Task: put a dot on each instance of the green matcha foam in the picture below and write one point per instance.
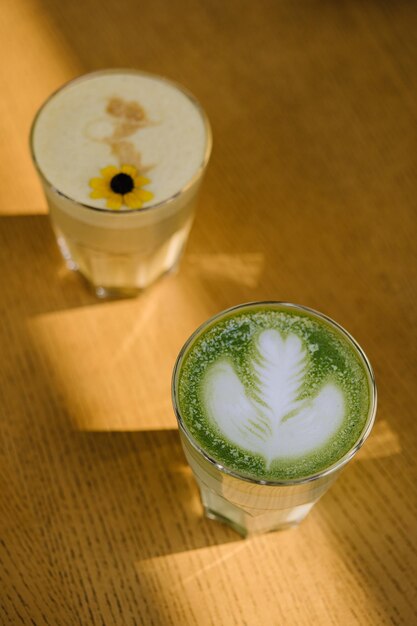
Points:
(273, 391)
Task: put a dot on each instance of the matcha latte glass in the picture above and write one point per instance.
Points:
(121, 155)
(272, 401)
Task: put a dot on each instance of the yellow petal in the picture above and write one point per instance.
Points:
(98, 183)
(100, 193)
(114, 201)
(144, 195)
(130, 170)
(141, 180)
(109, 171)
(132, 200)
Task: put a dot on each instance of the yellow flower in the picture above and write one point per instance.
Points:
(121, 185)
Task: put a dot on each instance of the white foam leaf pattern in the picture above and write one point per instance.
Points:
(273, 421)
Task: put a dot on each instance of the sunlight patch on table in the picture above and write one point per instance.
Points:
(244, 269)
(39, 62)
(111, 363)
(383, 442)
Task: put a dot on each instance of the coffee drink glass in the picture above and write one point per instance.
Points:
(272, 401)
(121, 155)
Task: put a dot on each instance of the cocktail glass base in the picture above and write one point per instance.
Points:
(110, 275)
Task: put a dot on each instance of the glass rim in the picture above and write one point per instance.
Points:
(337, 465)
(127, 211)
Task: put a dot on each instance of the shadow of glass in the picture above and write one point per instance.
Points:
(126, 494)
(129, 494)
(35, 279)
(89, 505)
(149, 475)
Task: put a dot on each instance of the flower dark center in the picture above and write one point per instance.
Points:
(122, 183)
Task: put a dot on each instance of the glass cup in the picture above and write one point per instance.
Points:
(256, 506)
(122, 252)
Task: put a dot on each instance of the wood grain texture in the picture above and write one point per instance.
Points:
(310, 197)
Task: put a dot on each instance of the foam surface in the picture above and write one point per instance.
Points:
(273, 394)
(275, 422)
(119, 118)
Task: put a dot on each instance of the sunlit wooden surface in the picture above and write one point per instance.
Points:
(310, 197)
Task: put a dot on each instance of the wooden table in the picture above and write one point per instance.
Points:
(310, 197)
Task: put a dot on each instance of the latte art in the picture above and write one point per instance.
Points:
(273, 392)
(271, 419)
